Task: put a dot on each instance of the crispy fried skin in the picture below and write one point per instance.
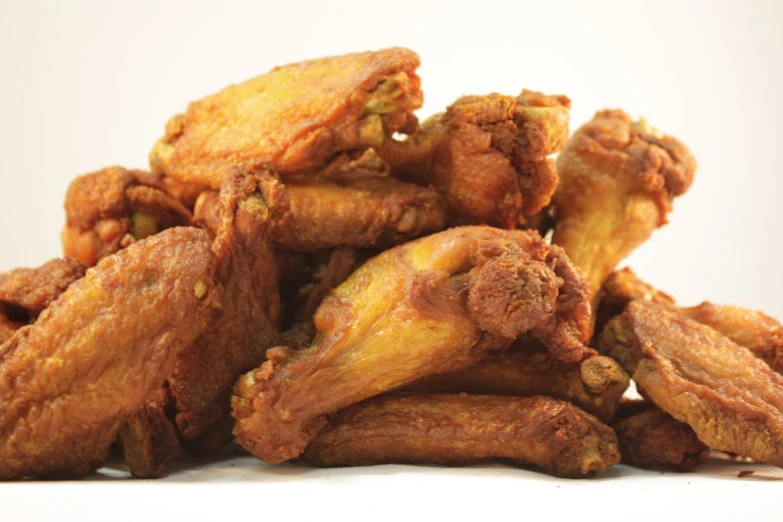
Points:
(488, 156)
(754, 330)
(595, 385)
(617, 182)
(459, 429)
(436, 304)
(34, 289)
(295, 117)
(731, 399)
(109, 209)
(238, 337)
(98, 352)
(650, 438)
(148, 439)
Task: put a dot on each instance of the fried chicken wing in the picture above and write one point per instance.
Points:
(110, 209)
(617, 182)
(650, 438)
(754, 330)
(731, 399)
(34, 289)
(487, 155)
(459, 429)
(294, 118)
(433, 305)
(348, 209)
(247, 325)
(97, 353)
(596, 384)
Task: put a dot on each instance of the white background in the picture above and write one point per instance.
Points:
(89, 84)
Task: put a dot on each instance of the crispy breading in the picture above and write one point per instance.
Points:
(617, 182)
(294, 118)
(487, 155)
(97, 353)
(436, 304)
(731, 399)
(109, 209)
(596, 384)
(652, 439)
(459, 429)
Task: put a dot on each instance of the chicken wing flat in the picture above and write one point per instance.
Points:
(617, 182)
(110, 209)
(97, 353)
(487, 155)
(650, 438)
(294, 118)
(731, 399)
(596, 384)
(247, 325)
(433, 305)
(32, 290)
(754, 330)
(459, 429)
(348, 209)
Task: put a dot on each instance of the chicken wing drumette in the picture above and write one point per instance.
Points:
(617, 182)
(434, 305)
(294, 118)
(487, 155)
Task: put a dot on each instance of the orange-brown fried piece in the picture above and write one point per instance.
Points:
(32, 290)
(754, 330)
(148, 439)
(554, 435)
(98, 352)
(650, 438)
(295, 117)
(617, 182)
(433, 305)
(347, 209)
(487, 155)
(731, 399)
(110, 209)
(247, 325)
(596, 384)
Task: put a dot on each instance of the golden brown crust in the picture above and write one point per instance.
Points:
(97, 353)
(424, 307)
(109, 209)
(34, 289)
(595, 385)
(246, 325)
(617, 182)
(148, 440)
(650, 438)
(459, 429)
(295, 117)
(487, 156)
(731, 399)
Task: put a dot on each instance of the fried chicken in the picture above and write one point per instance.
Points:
(353, 208)
(596, 384)
(433, 305)
(294, 118)
(97, 353)
(617, 182)
(650, 438)
(459, 429)
(731, 399)
(754, 330)
(110, 209)
(487, 155)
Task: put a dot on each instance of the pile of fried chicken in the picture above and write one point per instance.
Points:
(310, 270)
